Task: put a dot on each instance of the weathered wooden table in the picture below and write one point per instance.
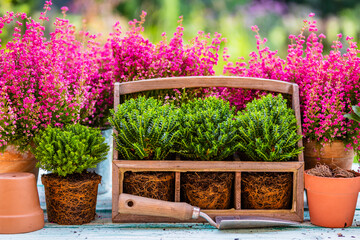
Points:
(103, 228)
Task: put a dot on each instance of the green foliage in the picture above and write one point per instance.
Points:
(355, 115)
(70, 150)
(268, 130)
(146, 129)
(172, 96)
(208, 129)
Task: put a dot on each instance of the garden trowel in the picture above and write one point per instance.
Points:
(130, 204)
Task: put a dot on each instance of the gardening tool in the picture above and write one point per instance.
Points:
(130, 204)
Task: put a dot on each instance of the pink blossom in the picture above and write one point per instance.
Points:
(138, 58)
(328, 82)
(42, 79)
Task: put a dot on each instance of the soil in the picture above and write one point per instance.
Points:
(156, 185)
(71, 200)
(322, 170)
(266, 190)
(207, 190)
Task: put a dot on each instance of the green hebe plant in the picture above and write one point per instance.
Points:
(147, 129)
(208, 130)
(268, 130)
(72, 149)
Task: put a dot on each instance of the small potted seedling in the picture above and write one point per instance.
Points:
(268, 132)
(70, 190)
(146, 129)
(209, 132)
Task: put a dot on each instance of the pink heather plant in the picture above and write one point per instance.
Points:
(137, 58)
(100, 83)
(262, 64)
(44, 82)
(328, 83)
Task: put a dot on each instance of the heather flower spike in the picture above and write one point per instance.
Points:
(137, 58)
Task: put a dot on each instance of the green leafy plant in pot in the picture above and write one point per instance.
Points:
(67, 153)
(268, 132)
(209, 132)
(146, 129)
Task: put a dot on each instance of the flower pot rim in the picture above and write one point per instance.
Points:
(331, 178)
(357, 174)
(321, 143)
(331, 184)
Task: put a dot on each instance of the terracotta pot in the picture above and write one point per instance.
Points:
(14, 161)
(334, 155)
(332, 201)
(20, 210)
(71, 200)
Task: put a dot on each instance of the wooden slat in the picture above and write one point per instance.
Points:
(237, 191)
(203, 166)
(296, 108)
(299, 189)
(204, 81)
(177, 186)
(115, 189)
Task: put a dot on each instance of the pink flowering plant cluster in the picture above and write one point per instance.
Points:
(328, 82)
(263, 63)
(100, 84)
(68, 77)
(44, 82)
(329, 85)
(137, 58)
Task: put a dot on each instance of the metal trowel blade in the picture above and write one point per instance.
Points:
(238, 222)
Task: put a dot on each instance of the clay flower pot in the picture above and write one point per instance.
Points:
(20, 210)
(332, 201)
(332, 154)
(14, 161)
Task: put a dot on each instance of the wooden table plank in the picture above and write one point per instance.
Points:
(102, 228)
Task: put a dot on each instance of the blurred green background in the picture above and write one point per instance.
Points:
(232, 18)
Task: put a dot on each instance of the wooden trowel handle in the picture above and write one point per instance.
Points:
(130, 204)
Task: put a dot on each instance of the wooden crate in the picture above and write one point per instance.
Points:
(296, 213)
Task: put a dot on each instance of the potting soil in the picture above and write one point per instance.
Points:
(323, 170)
